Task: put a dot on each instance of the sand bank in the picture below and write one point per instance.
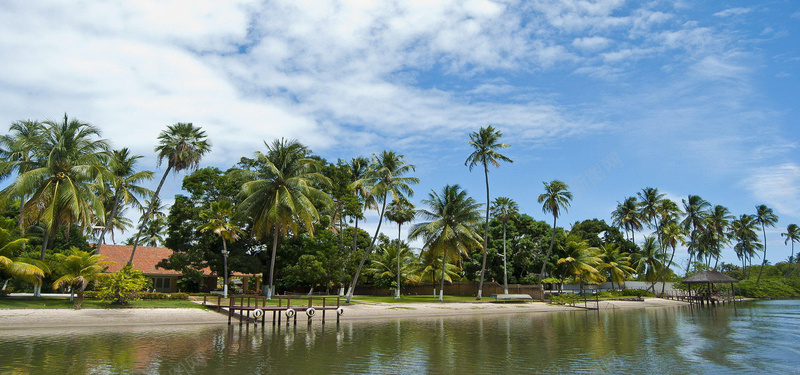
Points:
(43, 318)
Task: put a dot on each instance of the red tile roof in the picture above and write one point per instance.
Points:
(146, 259)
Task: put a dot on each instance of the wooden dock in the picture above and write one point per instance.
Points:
(255, 308)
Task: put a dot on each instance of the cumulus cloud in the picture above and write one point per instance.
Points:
(777, 186)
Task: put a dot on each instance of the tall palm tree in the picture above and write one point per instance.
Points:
(626, 216)
(400, 212)
(69, 163)
(124, 186)
(358, 171)
(385, 177)
(454, 219)
(503, 208)
(615, 263)
(743, 231)
(792, 235)
(764, 217)
(429, 265)
(649, 202)
(671, 235)
(696, 210)
(717, 226)
(393, 254)
(650, 261)
(486, 143)
(18, 152)
(218, 219)
(182, 145)
(77, 269)
(580, 261)
(281, 197)
(556, 197)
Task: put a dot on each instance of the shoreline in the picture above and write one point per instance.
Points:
(16, 319)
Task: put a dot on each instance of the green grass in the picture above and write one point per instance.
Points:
(64, 303)
(417, 299)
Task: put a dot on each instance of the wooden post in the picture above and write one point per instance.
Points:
(323, 309)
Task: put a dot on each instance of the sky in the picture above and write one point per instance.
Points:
(609, 96)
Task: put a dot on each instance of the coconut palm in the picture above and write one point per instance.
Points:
(69, 164)
(218, 219)
(580, 261)
(358, 171)
(555, 198)
(124, 187)
(503, 208)
(182, 145)
(11, 245)
(77, 269)
(743, 231)
(650, 261)
(18, 152)
(391, 256)
(486, 143)
(792, 235)
(671, 235)
(615, 263)
(429, 266)
(454, 219)
(400, 212)
(764, 217)
(385, 177)
(627, 216)
(696, 210)
(717, 227)
(283, 195)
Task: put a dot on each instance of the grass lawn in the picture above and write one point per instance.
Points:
(64, 303)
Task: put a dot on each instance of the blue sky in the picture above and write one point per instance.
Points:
(609, 96)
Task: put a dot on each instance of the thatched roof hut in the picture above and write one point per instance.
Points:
(709, 277)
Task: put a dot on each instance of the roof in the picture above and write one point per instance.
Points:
(705, 277)
(145, 259)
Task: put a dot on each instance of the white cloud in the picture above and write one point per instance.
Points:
(777, 186)
(592, 44)
(733, 12)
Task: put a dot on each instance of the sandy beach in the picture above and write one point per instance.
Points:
(43, 318)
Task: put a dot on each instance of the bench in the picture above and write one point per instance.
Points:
(511, 297)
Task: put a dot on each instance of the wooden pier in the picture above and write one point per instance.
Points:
(259, 306)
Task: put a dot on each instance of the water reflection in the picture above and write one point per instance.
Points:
(671, 340)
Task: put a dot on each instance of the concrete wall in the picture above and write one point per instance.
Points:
(627, 285)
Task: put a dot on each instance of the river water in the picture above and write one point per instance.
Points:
(757, 337)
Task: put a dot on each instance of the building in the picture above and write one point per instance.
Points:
(164, 280)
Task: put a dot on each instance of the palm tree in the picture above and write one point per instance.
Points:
(792, 235)
(429, 265)
(502, 209)
(281, 196)
(400, 212)
(649, 203)
(18, 152)
(77, 269)
(555, 198)
(11, 245)
(580, 261)
(218, 220)
(124, 186)
(671, 235)
(717, 226)
(615, 263)
(182, 145)
(696, 212)
(486, 143)
(765, 217)
(626, 216)
(650, 261)
(385, 177)
(454, 218)
(743, 231)
(358, 171)
(391, 256)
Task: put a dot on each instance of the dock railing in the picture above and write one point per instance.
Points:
(290, 306)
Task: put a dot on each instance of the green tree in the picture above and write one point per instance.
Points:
(580, 261)
(556, 197)
(182, 145)
(454, 218)
(792, 235)
(385, 265)
(283, 195)
(717, 229)
(615, 264)
(649, 263)
(400, 212)
(358, 171)
(743, 231)
(671, 235)
(12, 263)
(764, 217)
(385, 176)
(503, 208)
(218, 219)
(77, 269)
(124, 187)
(123, 286)
(626, 216)
(18, 153)
(486, 143)
(696, 210)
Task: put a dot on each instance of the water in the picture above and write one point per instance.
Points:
(762, 337)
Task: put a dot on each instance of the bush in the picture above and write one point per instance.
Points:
(774, 288)
(565, 299)
(5, 293)
(158, 295)
(122, 286)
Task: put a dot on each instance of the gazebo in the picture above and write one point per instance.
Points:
(709, 278)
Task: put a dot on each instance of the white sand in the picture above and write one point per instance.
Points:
(42, 318)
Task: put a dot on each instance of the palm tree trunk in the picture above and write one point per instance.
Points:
(148, 213)
(271, 286)
(549, 251)
(109, 221)
(366, 253)
(505, 262)
(764, 261)
(664, 272)
(485, 231)
(397, 291)
(444, 266)
(225, 269)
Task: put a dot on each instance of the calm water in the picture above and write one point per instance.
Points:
(763, 337)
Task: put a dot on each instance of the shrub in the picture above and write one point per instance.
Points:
(767, 288)
(565, 299)
(122, 286)
(161, 296)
